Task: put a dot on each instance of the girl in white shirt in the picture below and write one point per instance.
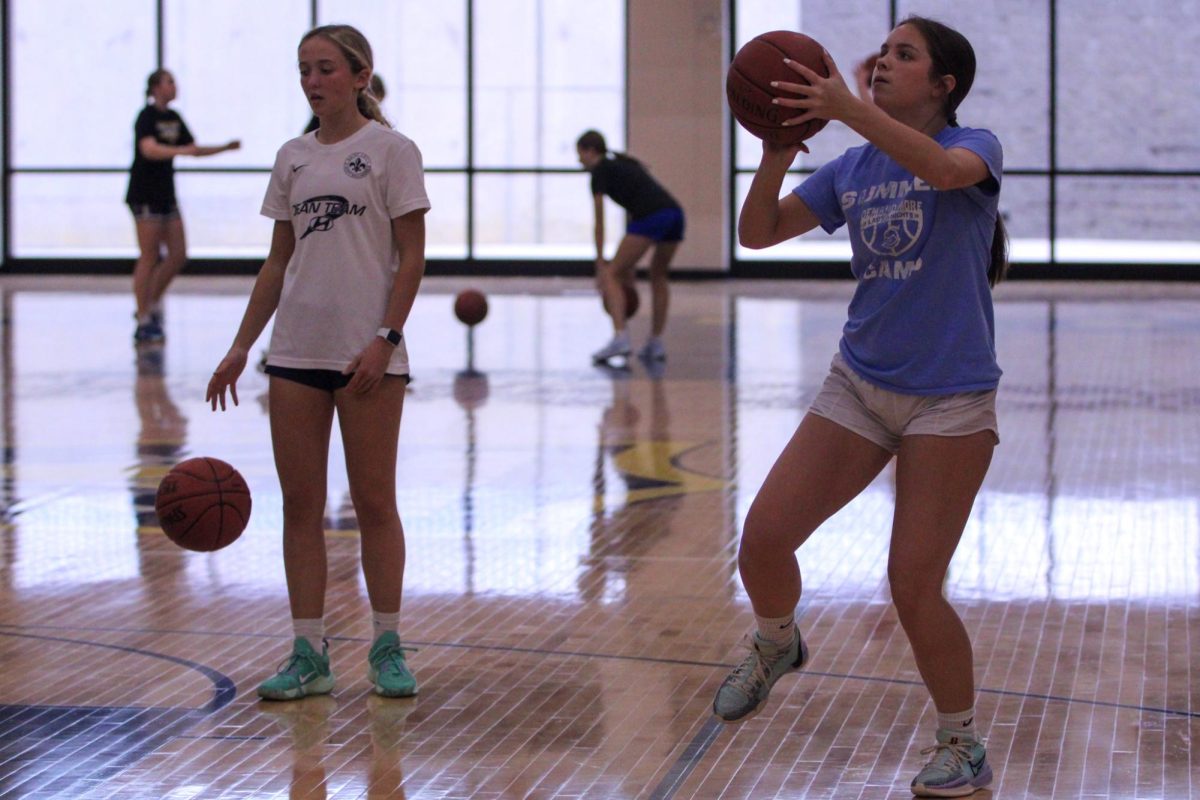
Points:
(346, 258)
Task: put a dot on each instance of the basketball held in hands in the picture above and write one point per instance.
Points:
(748, 85)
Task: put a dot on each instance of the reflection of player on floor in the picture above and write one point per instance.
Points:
(655, 220)
(159, 134)
(915, 376)
(346, 259)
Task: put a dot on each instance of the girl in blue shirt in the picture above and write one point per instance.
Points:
(915, 375)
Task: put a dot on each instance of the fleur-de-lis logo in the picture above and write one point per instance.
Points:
(357, 165)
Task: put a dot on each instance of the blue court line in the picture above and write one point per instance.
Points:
(584, 654)
(687, 760)
(224, 689)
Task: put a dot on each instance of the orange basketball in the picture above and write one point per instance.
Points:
(203, 504)
(748, 84)
(470, 306)
(632, 302)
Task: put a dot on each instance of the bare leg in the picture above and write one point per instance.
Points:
(821, 469)
(370, 425)
(172, 263)
(620, 273)
(301, 422)
(151, 236)
(660, 288)
(937, 478)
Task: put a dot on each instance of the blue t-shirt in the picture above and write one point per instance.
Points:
(921, 318)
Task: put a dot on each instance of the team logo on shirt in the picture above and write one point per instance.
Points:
(168, 130)
(327, 208)
(357, 165)
(892, 229)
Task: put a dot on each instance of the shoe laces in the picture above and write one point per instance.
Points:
(292, 664)
(392, 657)
(751, 674)
(948, 756)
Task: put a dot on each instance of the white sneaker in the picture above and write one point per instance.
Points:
(619, 346)
(653, 350)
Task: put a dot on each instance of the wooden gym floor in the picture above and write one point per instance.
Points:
(571, 584)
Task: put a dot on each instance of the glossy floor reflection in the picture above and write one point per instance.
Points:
(571, 581)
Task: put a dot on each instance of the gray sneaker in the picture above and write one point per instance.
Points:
(653, 350)
(744, 692)
(619, 346)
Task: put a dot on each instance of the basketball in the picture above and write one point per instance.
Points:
(470, 307)
(632, 301)
(748, 85)
(203, 504)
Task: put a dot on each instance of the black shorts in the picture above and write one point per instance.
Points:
(154, 212)
(327, 380)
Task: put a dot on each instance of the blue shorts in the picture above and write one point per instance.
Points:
(661, 226)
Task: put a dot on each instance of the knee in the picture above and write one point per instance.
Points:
(301, 507)
(913, 591)
(763, 537)
(375, 511)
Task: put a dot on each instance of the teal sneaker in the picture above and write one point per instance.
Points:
(387, 669)
(744, 692)
(303, 673)
(958, 767)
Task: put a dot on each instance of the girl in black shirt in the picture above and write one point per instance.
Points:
(160, 134)
(655, 220)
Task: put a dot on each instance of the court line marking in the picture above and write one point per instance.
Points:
(586, 654)
(224, 689)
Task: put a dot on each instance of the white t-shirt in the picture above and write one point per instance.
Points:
(341, 199)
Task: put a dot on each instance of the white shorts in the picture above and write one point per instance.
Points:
(885, 417)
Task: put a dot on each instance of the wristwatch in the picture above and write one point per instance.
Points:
(391, 335)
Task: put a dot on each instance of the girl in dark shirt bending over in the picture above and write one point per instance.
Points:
(655, 220)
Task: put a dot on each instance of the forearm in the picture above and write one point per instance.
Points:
(206, 150)
(155, 151)
(599, 240)
(264, 299)
(404, 291)
(758, 221)
(910, 148)
(408, 233)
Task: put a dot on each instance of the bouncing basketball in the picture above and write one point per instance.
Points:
(470, 307)
(203, 504)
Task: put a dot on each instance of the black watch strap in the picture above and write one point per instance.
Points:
(391, 335)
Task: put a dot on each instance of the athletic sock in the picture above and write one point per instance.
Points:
(777, 630)
(311, 629)
(962, 722)
(383, 623)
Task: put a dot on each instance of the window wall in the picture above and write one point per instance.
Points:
(1093, 100)
(494, 92)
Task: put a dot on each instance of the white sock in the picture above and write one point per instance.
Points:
(383, 623)
(777, 630)
(311, 629)
(962, 722)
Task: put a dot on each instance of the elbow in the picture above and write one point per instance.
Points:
(752, 240)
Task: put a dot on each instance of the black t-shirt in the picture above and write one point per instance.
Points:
(152, 181)
(630, 186)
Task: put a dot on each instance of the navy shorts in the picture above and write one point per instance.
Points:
(154, 212)
(327, 380)
(661, 226)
